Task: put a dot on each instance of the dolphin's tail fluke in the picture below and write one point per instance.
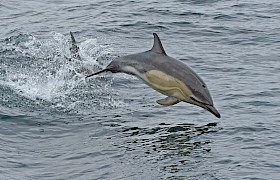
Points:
(74, 49)
(98, 72)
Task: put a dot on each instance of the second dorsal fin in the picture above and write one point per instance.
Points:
(157, 47)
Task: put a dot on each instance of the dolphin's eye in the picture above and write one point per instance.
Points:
(203, 86)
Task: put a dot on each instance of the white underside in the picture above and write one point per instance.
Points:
(163, 83)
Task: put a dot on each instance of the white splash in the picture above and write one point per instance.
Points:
(43, 70)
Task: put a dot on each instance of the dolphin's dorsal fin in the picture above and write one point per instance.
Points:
(157, 47)
(74, 49)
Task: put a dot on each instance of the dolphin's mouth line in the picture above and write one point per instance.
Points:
(192, 98)
(209, 107)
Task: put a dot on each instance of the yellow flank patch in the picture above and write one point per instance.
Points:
(168, 85)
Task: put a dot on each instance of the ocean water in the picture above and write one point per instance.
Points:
(54, 124)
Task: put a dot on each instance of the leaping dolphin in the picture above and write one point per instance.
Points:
(166, 75)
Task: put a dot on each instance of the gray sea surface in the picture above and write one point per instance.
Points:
(54, 124)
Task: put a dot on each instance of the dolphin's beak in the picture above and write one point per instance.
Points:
(208, 107)
(213, 110)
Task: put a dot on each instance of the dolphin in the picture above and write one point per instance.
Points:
(166, 75)
(74, 49)
(81, 64)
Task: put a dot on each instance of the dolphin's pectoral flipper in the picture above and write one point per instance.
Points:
(74, 49)
(168, 101)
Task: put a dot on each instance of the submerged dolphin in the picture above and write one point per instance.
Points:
(74, 49)
(166, 75)
(81, 64)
